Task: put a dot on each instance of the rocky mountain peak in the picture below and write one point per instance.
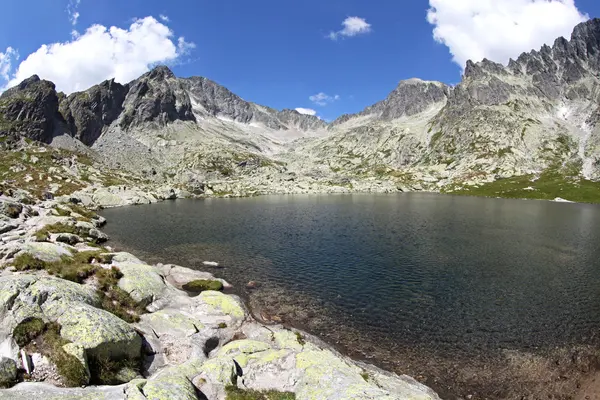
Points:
(293, 118)
(411, 96)
(160, 72)
(30, 109)
(158, 98)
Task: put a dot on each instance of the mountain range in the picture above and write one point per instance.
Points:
(527, 129)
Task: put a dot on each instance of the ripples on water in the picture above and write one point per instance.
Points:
(454, 277)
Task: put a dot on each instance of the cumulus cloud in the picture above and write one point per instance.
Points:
(500, 30)
(353, 26)
(6, 60)
(164, 18)
(72, 11)
(323, 99)
(103, 53)
(306, 111)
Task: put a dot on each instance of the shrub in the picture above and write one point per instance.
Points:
(105, 371)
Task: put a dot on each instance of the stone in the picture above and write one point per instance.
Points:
(223, 303)
(99, 332)
(67, 238)
(48, 252)
(30, 390)
(8, 372)
(252, 285)
(141, 281)
(171, 322)
(79, 352)
(98, 236)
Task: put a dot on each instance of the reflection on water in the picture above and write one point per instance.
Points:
(397, 278)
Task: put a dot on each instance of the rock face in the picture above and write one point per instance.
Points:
(30, 109)
(157, 97)
(87, 113)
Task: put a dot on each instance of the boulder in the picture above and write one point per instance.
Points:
(48, 252)
(171, 322)
(223, 304)
(143, 282)
(67, 238)
(99, 332)
(10, 209)
(29, 390)
(27, 296)
(78, 352)
(8, 372)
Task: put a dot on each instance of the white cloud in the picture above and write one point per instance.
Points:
(164, 18)
(72, 11)
(499, 30)
(352, 26)
(306, 111)
(6, 60)
(103, 53)
(323, 99)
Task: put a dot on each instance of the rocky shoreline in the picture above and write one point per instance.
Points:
(75, 313)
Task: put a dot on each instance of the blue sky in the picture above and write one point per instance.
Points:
(279, 53)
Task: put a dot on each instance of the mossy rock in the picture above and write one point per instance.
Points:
(235, 393)
(201, 285)
(27, 330)
(8, 372)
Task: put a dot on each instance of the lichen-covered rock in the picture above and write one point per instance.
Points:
(101, 333)
(171, 383)
(48, 252)
(27, 296)
(223, 303)
(141, 281)
(29, 391)
(8, 372)
(171, 322)
(325, 375)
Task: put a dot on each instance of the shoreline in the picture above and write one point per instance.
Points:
(486, 362)
(238, 336)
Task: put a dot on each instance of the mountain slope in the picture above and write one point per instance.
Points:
(537, 116)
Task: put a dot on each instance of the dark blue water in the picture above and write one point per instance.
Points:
(389, 275)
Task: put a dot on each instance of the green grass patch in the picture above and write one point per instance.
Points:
(434, 139)
(300, 338)
(550, 184)
(201, 285)
(235, 393)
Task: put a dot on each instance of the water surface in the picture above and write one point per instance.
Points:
(412, 281)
